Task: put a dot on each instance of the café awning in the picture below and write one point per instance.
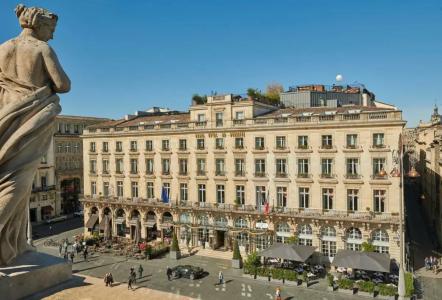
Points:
(92, 221)
(288, 251)
(369, 261)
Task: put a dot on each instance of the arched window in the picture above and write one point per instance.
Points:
(120, 213)
(305, 235)
(354, 239)
(167, 217)
(185, 218)
(282, 233)
(151, 216)
(134, 214)
(94, 210)
(241, 223)
(120, 222)
(221, 222)
(328, 241)
(203, 220)
(381, 241)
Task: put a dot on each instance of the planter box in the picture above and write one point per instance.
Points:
(345, 291)
(236, 263)
(175, 254)
(379, 296)
(365, 294)
(305, 284)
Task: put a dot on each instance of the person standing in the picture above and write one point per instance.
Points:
(140, 271)
(60, 248)
(220, 278)
(111, 279)
(278, 294)
(85, 254)
(168, 273)
(129, 282)
(72, 257)
(106, 279)
(133, 275)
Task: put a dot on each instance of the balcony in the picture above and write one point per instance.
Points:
(240, 173)
(165, 173)
(165, 149)
(239, 122)
(260, 174)
(220, 173)
(133, 150)
(201, 124)
(352, 176)
(281, 175)
(200, 147)
(182, 149)
(327, 175)
(219, 147)
(182, 173)
(259, 148)
(200, 173)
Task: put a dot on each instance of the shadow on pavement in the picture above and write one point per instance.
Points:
(76, 281)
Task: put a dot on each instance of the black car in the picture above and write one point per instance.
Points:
(187, 271)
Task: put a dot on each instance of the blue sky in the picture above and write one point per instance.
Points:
(124, 56)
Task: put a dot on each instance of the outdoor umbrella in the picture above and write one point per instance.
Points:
(369, 261)
(288, 251)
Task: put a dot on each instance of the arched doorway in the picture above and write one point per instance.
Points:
(151, 226)
(167, 226)
(92, 221)
(106, 223)
(120, 221)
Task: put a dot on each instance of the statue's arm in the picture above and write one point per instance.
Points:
(61, 82)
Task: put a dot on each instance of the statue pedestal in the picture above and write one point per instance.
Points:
(32, 272)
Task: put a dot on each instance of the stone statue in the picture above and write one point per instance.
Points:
(30, 77)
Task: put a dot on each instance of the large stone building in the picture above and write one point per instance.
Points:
(59, 178)
(427, 138)
(236, 168)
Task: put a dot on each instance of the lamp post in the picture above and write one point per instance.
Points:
(398, 158)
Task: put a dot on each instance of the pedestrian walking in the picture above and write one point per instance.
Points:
(140, 271)
(133, 275)
(65, 256)
(129, 283)
(72, 257)
(220, 278)
(168, 273)
(111, 279)
(60, 248)
(106, 279)
(278, 294)
(85, 254)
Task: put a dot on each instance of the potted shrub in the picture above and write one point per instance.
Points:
(366, 288)
(305, 279)
(409, 285)
(236, 259)
(175, 248)
(331, 282)
(345, 285)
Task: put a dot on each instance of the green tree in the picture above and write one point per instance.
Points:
(252, 262)
(274, 91)
(236, 253)
(199, 99)
(175, 246)
(367, 247)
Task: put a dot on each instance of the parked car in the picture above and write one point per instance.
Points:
(187, 271)
(56, 219)
(79, 213)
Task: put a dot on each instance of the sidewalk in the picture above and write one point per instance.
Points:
(83, 287)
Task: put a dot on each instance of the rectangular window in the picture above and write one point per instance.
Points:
(378, 140)
(281, 167)
(165, 145)
(260, 192)
(259, 143)
(240, 167)
(352, 141)
(149, 166)
(281, 196)
(201, 166)
(76, 128)
(302, 142)
(93, 166)
(201, 193)
(183, 145)
(119, 165)
(303, 167)
(201, 117)
(219, 167)
(118, 146)
(219, 143)
(105, 166)
(105, 189)
(352, 167)
(67, 128)
(133, 166)
(183, 192)
(133, 146)
(149, 145)
(220, 195)
(93, 188)
(304, 197)
(328, 248)
(352, 199)
(200, 144)
(105, 147)
(280, 142)
(150, 190)
(165, 163)
(326, 167)
(379, 200)
(260, 167)
(120, 189)
(240, 195)
(327, 198)
(327, 142)
(239, 115)
(219, 119)
(134, 189)
(239, 143)
(183, 166)
(378, 166)
(92, 147)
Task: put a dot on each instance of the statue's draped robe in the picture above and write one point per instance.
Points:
(27, 116)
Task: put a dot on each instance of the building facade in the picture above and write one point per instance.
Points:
(427, 137)
(235, 168)
(58, 181)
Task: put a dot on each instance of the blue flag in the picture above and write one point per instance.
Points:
(164, 196)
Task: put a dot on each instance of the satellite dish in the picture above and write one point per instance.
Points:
(339, 77)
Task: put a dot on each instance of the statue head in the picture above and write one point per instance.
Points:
(41, 21)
